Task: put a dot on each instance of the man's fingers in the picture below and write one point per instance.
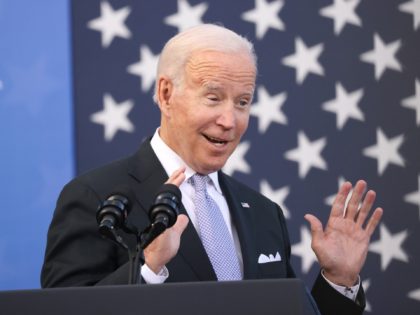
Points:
(374, 220)
(316, 226)
(177, 177)
(181, 223)
(340, 200)
(365, 208)
(356, 197)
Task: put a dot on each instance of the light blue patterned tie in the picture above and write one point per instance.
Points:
(214, 233)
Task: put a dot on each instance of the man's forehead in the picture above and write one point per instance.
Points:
(215, 71)
(213, 58)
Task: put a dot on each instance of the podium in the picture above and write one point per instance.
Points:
(281, 296)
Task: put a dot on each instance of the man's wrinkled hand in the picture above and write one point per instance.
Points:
(341, 248)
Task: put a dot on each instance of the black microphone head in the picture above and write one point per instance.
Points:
(117, 206)
(167, 204)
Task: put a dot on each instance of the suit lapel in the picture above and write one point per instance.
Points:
(150, 175)
(243, 218)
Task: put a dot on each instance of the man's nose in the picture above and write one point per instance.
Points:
(227, 117)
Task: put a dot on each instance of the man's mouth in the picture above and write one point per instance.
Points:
(215, 140)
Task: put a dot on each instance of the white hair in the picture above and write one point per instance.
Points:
(177, 51)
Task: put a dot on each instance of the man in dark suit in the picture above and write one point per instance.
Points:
(204, 88)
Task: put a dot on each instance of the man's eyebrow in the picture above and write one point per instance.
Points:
(210, 86)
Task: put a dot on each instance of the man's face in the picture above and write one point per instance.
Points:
(207, 114)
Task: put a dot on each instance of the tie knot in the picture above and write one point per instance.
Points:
(199, 182)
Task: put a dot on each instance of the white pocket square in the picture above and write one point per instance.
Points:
(263, 259)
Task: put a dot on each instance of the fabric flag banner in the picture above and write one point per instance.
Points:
(337, 98)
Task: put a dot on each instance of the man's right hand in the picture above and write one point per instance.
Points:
(165, 246)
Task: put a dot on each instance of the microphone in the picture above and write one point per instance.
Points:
(112, 213)
(163, 213)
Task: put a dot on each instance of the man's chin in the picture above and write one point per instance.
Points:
(208, 168)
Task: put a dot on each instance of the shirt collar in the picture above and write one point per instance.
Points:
(171, 161)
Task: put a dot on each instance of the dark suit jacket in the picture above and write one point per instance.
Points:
(77, 255)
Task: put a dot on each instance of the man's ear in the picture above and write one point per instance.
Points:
(165, 90)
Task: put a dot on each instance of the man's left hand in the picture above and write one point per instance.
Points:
(341, 248)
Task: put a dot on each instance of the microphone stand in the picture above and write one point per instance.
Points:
(138, 261)
(143, 240)
(136, 254)
(111, 233)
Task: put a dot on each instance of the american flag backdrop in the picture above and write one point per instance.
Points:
(337, 98)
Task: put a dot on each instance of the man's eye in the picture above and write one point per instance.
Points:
(212, 98)
(243, 102)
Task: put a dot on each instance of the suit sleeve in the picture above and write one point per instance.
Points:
(76, 254)
(331, 302)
